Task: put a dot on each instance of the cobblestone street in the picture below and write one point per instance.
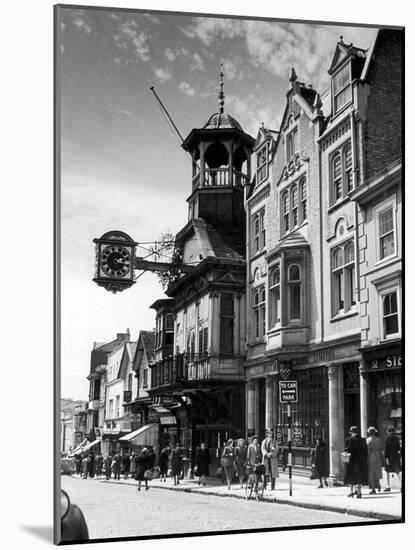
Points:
(120, 510)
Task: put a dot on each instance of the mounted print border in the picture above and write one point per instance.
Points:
(231, 190)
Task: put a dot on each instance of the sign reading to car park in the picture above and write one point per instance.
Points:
(288, 391)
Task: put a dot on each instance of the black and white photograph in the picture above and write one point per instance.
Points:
(229, 274)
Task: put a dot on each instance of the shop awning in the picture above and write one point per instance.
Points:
(170, 419)
(87, 447)
(80, 446)
(160, 409)
(137, 435)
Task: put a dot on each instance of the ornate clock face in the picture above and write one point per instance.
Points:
(116, 261)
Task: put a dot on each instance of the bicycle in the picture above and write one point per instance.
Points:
(255, 481)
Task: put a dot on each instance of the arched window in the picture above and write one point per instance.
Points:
(294, 292)
(275, 296)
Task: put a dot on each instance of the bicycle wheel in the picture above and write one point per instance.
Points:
(248, 488)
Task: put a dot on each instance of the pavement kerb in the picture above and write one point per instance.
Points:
(370, 514)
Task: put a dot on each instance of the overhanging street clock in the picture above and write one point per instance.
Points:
(114, 261)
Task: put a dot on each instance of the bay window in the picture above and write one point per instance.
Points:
(294, 292)
(275, 297)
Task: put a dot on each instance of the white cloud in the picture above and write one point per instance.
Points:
(187, 89)
(279, 46)
(130, 37)
(82, 24)
(163, 74)
(170, 54)
(197, 63)
(152, 18)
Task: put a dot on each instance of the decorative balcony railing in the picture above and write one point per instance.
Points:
(219, 177)
(179, 368)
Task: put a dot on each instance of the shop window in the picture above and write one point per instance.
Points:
(294, 292)
(259, 230)
(390, 314)
(262, 163)
(341, 173)
(226, 323)
(343, 278)
(342, 88)
(386, 232)
(259, 312)
(275, 297)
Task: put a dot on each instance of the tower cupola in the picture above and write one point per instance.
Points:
(221, 166)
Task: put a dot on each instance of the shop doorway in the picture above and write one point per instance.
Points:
(351, 382)
(261, 407)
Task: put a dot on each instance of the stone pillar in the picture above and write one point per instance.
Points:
(269, 403)
(250, 406)
(334, 431)
(363, 400)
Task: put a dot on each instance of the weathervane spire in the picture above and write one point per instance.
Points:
(221, 93)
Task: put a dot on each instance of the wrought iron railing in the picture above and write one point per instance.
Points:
(177, 368)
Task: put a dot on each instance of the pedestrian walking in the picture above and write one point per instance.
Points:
(227, 461)
(254, 455)
(142, 468)
(107, 467)
(99, 465)
(126, 460)
(269, 450)
(78, 464)
(85, 461)
(133, 465)
(375, 460)
(202, 462)
(91, 465)
(241, 451)
(392, 455)
(116, 466)
(164, 463)
(356, 471)
(320, 461)
(176, 463)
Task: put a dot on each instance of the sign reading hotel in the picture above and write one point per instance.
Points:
(288, 391)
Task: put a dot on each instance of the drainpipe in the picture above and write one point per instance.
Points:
(320, 195)
(355, 182)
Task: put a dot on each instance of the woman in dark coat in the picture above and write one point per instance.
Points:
(320, 461)
(164, 463)
(126, 465)
(392, 455)
(142, 464)
(202, 463)
(176, 464)
(357, 467)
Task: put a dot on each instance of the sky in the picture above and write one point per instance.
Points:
(122, 166)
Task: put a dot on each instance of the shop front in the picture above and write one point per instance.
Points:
(383, 372)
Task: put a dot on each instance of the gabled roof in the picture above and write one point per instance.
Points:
(145, 346)
(127, 356)
(344, 51)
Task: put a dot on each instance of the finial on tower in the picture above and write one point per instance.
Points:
(221, 95)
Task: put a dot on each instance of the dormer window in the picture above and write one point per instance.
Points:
(262, 163)
(342, 88)
(292, 144)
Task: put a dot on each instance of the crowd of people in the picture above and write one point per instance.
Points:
(364, 460)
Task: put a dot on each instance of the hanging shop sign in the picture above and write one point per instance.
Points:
(288, 391)
(127, 396)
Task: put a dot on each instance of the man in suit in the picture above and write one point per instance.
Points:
(269, 449)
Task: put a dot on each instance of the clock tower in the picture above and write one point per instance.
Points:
(221, 166)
